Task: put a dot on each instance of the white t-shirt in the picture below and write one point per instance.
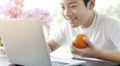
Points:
(104, 32)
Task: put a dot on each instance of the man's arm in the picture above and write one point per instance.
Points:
(94, 52)
(109, 55)
(52, 45)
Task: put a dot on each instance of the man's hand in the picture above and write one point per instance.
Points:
(89, 51)
(52, 45)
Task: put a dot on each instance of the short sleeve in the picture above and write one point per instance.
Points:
(58, 35)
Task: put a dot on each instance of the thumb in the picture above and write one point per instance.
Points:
(88, 42)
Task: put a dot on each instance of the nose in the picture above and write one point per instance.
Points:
(68, 13)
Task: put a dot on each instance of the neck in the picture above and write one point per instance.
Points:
(90, 20)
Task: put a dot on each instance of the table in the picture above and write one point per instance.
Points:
(4, 62)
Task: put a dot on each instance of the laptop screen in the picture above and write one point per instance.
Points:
(24, 41)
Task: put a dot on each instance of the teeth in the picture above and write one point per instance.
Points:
(72, 19)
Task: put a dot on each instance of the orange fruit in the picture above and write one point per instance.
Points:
(78, 41)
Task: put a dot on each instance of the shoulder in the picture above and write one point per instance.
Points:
(106, 20)
(106, 24)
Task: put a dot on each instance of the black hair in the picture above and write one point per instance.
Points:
(86, 2)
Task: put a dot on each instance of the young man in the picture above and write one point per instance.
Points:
(103, 31)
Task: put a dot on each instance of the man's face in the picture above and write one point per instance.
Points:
(75, 12)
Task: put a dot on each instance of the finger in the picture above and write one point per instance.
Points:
(72, 48)
(88, 42)
(75, 52)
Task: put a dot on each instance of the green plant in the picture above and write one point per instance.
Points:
(1, 44)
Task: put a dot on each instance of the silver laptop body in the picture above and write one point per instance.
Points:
(25, 43)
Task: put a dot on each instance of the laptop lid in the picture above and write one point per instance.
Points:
(24, 41)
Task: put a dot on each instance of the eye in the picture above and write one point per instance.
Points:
(62, 7)
(73, 6)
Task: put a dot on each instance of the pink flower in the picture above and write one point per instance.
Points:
(14, 9)
(43, 15)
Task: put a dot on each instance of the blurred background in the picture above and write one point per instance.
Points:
(49, 12)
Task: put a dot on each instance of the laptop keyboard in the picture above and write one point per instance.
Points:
(66, 62)
(56, 63)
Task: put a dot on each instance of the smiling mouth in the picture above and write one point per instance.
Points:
(72, 20)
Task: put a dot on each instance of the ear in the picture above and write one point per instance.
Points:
(91, 4)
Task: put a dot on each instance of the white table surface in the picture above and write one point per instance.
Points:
(4, 61)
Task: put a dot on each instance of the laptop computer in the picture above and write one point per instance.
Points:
(25, 43)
